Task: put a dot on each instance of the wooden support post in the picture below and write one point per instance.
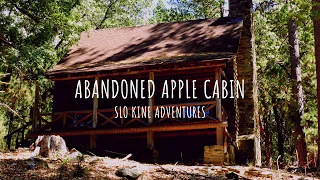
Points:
(150, 134)
(95, 109)
(151, 100)
(218, 108)
(150, 139)
(93, 138)
(64, 123)
(35, 122)
(93, 141)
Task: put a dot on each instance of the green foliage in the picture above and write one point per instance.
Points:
(181, 10)
(80, 170)
(273, 61)
(63, 168)
(3, 132)
(34, 35)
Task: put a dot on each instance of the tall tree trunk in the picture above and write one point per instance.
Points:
(267, 141)
(297, 104)
(279, 124)
(316, 22)
(9, 131)
(257, 139)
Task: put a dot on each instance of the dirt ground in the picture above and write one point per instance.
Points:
(23, 164)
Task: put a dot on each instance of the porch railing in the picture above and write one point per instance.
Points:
(107, 117)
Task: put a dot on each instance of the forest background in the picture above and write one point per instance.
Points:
(34, 35)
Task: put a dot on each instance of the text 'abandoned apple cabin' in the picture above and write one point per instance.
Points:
(141, 89)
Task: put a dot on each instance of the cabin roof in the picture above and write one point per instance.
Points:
(149, 45)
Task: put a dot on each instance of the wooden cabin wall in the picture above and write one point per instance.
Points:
(64, 101)
(64, 97)
(229, 103)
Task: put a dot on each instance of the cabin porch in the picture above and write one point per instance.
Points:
(101, 121)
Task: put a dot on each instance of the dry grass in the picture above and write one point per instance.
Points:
(22, 165)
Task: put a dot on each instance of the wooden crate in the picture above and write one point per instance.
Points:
(213, 154)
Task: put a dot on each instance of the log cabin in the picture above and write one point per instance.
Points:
(206, 49)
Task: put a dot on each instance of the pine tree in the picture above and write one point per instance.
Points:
(316, 22)
(297, 104)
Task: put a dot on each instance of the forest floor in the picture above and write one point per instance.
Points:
(22, 164)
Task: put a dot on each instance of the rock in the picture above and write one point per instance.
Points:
(43, 143)
(36, 151)
(31, 165)
(129, 173)
(52, 166)
(51, 146)
(73, 154)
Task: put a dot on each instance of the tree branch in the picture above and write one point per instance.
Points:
(264, 5)
(4, 40)
(105, 14)
(25, 12)
(59, 44)
(6, 74)
(13, 111)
